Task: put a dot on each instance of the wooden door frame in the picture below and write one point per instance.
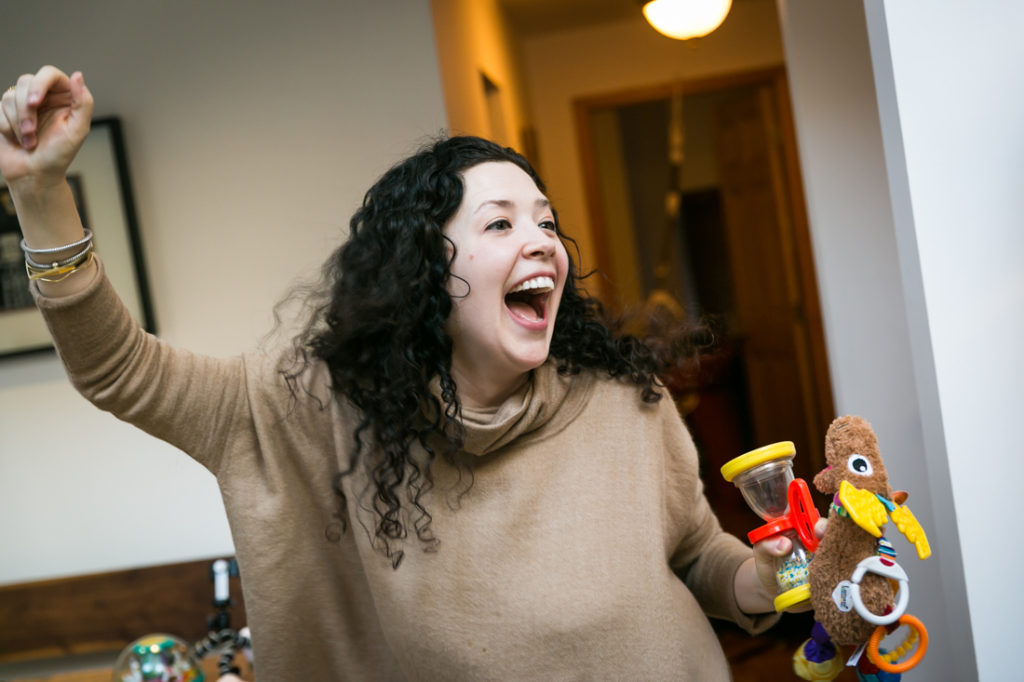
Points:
(775, 79)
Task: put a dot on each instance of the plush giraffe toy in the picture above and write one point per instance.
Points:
(858, 592)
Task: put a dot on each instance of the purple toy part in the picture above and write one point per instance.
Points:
(819, 647)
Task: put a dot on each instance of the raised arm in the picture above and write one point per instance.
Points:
(194, 402)
(44, 119)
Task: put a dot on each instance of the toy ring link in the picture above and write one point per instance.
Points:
(884, 661)
(887, 569)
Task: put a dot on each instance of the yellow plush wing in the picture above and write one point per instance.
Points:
(912, 531)
(863, 507)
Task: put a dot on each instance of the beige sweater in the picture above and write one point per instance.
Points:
(584, 549)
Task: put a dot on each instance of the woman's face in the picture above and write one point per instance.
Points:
(507, 279)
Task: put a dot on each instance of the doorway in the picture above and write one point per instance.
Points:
(696, 202)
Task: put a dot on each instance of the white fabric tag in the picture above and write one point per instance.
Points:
(855, 658)
(842, 597)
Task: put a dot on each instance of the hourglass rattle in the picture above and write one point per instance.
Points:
(765, 478)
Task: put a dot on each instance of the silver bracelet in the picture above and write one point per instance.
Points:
(57, 249)
(59, 264)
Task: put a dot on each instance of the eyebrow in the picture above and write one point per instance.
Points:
(505, 203)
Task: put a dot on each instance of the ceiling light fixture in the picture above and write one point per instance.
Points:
(683, 19)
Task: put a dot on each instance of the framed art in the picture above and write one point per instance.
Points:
(101, 185)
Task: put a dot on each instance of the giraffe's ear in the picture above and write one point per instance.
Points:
(900, 496)
(825, 481)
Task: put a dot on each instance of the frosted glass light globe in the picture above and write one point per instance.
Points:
(683, 19)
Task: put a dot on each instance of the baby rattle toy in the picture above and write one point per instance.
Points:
(857, 590)
(765, 478)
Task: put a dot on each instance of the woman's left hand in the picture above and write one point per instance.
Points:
(43, 121)
(756, 593)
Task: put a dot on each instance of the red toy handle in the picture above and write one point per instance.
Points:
(774, 527)
(802, 517)
(803, 512)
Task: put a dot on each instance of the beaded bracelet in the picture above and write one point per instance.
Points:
(60, 273)
(57, 249)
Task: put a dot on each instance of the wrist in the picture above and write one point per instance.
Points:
(32, 191)
(47, 214)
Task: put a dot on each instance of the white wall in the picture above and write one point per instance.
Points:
(908, 116)
(951, 109)
(253, 129)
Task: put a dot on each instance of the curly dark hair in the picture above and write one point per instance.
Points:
(380, 328)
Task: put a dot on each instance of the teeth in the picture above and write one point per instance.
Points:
(538, 284)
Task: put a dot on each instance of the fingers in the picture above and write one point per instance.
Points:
(44, 118)
(19, 118)
(20, 105)
(766, 550)
(46, 79)
(48, 82)
(9, 115)
(26, 129)
(765, 554)
(81, 106)
(781, 545)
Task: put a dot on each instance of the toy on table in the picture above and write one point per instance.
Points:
(857, 590)
(765, 477)
(166, 658)
(157, 658)
(222, 638)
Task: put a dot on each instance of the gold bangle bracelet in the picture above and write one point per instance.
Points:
(57, 274)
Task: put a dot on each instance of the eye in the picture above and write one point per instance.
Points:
(499, 224)
(549, 225)
(859, 465)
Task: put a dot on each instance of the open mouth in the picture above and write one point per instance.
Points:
(529, 299)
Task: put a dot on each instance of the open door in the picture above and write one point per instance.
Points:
(736, 251)
(771, 305)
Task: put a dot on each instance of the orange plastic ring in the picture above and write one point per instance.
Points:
(876, 639)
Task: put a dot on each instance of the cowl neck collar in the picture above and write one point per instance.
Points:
(547, 399)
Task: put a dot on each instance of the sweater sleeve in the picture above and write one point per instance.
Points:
(704, 556)
(186, 399)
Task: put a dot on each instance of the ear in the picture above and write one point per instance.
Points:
(825, 481)
(900, 496)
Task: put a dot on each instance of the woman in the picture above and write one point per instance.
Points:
(456, 473)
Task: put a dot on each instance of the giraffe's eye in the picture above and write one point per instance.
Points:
(859, 465)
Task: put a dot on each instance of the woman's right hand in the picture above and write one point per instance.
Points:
(44, 120)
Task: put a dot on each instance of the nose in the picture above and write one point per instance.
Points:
(540, 243)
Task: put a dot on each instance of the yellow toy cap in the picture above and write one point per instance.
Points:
(735, 467)
(794, 597)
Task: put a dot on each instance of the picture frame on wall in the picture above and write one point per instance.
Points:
(101, 185)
